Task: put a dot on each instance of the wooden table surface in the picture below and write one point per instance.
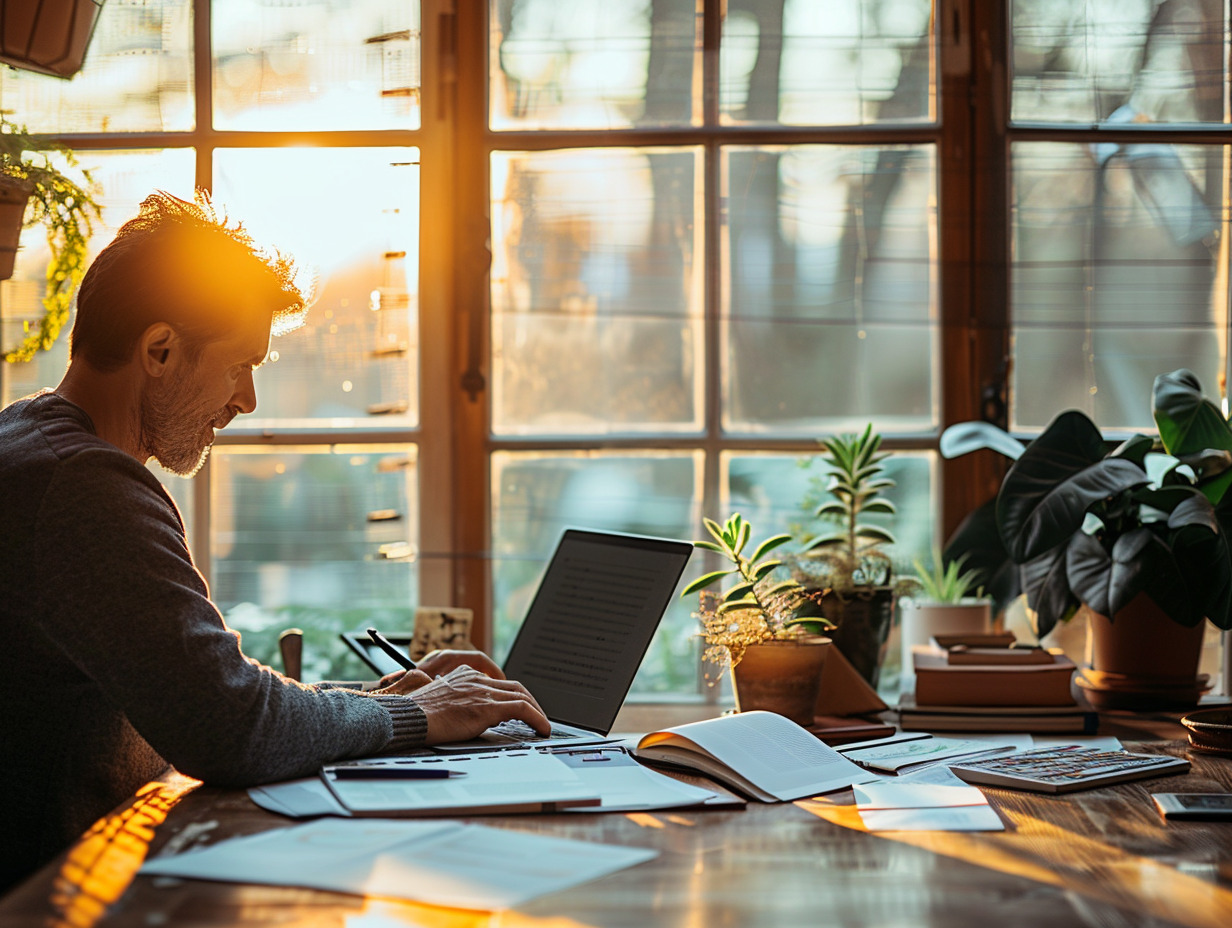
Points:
(1097, 858)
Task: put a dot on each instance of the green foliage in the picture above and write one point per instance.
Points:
(67, 211)
(947, 582)
(771, 604)
(1088, 525)
(853, 553)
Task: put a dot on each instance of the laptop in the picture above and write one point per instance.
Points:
(585, 634)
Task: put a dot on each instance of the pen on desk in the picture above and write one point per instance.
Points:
(383, 643)
(360, 772)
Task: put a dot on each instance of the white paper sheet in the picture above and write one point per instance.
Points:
(623, 784)
(914, 806)
(438, 862)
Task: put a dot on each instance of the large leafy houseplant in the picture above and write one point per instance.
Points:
(1091, 525)
(64, 208)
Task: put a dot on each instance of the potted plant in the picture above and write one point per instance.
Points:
(755, 628)
(949, 600)
(1131, 537)
(33, 191)
(847, 570)
(48, 36)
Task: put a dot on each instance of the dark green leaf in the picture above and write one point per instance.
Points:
(1060, 476)
(705, 580)
(1188, 422)
(1047, 590)
(769, 545)
(763, 569)
(1134, 449)
(738, 592)
(978, 543)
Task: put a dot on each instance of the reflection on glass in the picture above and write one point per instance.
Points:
(125, 178)
(356, 359)
(292, 544)
(316, 64)
(842, 62)
(778, 493)
(594, 64)
(1114, 277)
(1092, 61)
(830, 288)
(596, 291)
(536, 496)
(136, 76)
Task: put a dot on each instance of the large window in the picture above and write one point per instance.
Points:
(620, 264)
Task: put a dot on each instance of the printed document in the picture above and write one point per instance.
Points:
(440, 863)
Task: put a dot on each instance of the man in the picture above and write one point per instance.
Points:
(114, 661)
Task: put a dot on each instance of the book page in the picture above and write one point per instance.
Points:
(770, 751)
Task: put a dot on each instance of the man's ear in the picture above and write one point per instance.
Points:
(155, 348)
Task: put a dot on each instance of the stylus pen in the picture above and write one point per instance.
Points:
(383, 643)
(360, 772)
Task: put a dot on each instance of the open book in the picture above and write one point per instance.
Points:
(762, 754)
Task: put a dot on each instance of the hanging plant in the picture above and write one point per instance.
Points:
(67, 211)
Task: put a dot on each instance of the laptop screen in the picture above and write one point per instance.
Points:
(591, 622)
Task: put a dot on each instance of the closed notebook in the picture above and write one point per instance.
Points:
(939, 683)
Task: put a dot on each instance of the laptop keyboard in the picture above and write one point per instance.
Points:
(515, 730)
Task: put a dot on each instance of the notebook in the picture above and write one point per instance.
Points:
(586, 632)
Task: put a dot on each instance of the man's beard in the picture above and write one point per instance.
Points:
(176, 432)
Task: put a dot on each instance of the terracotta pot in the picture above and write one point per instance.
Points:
(1142, 659)
(47, 36)
(14, 195)
(864, 618)
(782, 677)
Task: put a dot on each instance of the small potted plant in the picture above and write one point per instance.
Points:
(1131, 537)
(755, 627)
(847, 570)
(33, 191)
(949, 600)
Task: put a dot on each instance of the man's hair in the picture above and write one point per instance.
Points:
(183, 264)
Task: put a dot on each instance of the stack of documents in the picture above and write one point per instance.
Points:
(440, 863)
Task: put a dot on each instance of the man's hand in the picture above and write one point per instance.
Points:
(464, 702)
(439, 663)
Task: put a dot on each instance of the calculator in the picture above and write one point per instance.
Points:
(1066, 769)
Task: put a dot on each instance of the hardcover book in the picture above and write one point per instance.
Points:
(940, 683)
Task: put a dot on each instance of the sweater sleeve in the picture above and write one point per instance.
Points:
(120, 596)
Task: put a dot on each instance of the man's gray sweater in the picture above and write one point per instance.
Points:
(114, 662)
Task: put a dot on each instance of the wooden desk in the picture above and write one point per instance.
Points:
(1097, 858)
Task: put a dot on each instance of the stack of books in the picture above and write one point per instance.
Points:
(995, 689)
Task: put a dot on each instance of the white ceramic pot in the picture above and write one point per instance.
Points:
(923, 619)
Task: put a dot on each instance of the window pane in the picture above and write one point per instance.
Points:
(536, 496)
(842, 62)
(596, 291)
(323, 538)
(830, 288)
(1133, 61)
(316, 64)
(594, 64)
(136, 76)
(1115, 276)
(125, 178)
(356, 360)
(776, 494)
